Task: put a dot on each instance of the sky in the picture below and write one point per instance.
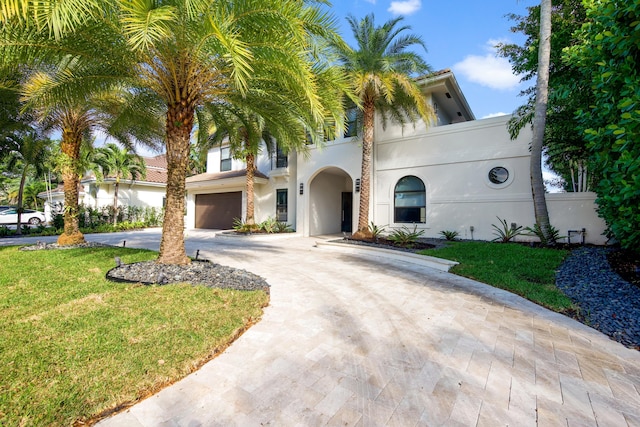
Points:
(460, 35)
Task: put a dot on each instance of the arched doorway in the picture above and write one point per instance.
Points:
(330, 202)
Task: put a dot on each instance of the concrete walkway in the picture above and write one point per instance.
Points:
(353, 340)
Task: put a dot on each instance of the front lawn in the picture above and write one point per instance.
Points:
(73, 344)
(527, 271)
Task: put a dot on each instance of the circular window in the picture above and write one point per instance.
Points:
(498, 175)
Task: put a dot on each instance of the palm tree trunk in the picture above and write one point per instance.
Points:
(115, 202)
(365, 174)
(70, 147)
(179, 125)
(251, 169)
(539, 121)
(23, 178)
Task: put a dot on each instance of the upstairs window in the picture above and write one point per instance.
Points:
(282, 160)
(351, 125)
(410, 201)
(225, 159)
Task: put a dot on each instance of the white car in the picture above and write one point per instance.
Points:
(10, 216)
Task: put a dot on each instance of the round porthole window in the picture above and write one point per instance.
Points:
(498, 175)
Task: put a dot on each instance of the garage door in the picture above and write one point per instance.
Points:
(218, 210)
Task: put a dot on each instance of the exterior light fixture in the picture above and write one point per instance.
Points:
(357, 185)
(301, 189)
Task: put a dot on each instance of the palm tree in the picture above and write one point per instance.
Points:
(266, 117)
(31, 155)
(119, 163)
(381, 70)
(539, 120)
(188, 54)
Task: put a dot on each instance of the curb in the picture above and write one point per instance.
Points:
(423, 260)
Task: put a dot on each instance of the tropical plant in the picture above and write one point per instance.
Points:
(539, 121)
(536, 231)
(188, 55)
(376, 231)
(449, 234)
(382, 70)
(242, 227)
(119, 163)
(405, 236)
(609, 50)
(505, 232)
(31, 154)
(569, 90)
(282, 227)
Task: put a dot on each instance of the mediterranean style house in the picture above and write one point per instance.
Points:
(459, 174)
(147, 192)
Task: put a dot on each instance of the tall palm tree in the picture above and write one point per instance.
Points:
(539, 121)
(119, 163)
(382, 71)
(31, 156)
(188, 54)
(265, 117)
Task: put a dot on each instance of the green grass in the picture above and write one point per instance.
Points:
(73, 344)
(526, 271)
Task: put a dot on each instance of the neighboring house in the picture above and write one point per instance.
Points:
(459, 174)
(147, 192)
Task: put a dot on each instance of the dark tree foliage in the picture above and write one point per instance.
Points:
(610, 49)
(12, 124)
(564, 142)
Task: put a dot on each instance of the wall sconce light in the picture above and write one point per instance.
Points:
(301, 189)
(357, 185)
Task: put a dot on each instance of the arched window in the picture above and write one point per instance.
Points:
(410, 201)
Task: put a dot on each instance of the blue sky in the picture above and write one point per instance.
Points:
(459, 35)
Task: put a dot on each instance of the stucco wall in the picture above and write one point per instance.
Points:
(138, 194)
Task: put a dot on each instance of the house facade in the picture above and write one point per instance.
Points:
(459, 174)
(147, 192)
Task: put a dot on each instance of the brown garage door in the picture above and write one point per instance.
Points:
(218, 210)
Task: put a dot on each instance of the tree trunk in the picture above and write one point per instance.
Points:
(179, 125)
(365, 174)
(115, 201)
(251, 169)
(23, 178)
(70, 147)
(539, 120)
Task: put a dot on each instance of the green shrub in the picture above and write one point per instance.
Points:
(376, 231)
(536, 231)
(406, 237)
(449, 234)
(268, 225)
(58, 221)
(505, 233)
(283, 227)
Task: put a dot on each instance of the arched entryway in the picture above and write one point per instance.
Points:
(330, 202)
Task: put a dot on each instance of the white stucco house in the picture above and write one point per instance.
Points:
(147, 192)
(459, 174)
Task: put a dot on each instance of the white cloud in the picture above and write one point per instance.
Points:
(488, 116)
(371, 1)
(488, 69)
(406, 7)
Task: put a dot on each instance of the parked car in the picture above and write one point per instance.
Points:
(10, 216)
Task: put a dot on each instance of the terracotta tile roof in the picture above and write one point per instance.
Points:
(222, 175)
(156, 169)
(59, 189)
(159, 161)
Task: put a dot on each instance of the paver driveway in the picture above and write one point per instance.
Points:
(350, 340)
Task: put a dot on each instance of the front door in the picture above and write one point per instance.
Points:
(347, 213)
